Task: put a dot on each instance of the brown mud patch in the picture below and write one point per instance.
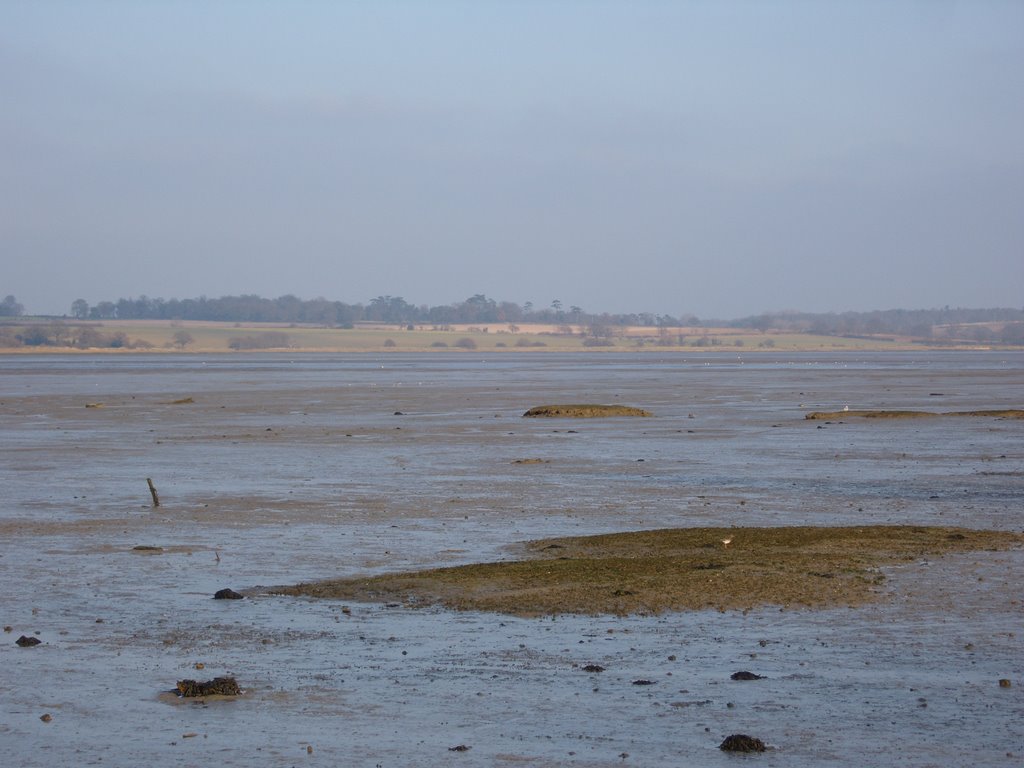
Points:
(585, 411)
(650, 572)
(1011, 413)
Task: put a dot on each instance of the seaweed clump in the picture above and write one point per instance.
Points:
(219, 686)
(740, 742)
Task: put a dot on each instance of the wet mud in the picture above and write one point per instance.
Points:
(286, 470)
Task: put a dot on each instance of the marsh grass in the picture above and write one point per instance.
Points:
(650, 572)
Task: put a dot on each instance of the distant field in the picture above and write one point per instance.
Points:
(160, 336)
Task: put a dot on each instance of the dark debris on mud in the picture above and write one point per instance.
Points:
(744, 675)
(219, 686)
(740, 742)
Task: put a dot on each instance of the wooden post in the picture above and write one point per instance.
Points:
(152, 492)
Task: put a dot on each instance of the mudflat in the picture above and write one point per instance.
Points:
(298, 469)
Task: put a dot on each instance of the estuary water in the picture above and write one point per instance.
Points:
(277, 469)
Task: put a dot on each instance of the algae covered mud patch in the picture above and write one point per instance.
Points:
(650, 572)
(1011, 413)
(584, 411)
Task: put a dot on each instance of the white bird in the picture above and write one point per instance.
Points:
(727, 542)
(846, 407)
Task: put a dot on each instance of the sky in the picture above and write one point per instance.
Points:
(716, 158)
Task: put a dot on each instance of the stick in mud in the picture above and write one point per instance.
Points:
(152, 492)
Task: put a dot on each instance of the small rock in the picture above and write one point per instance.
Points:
(227, 594)
(593, 668)
(744, 675)
(1005, 683)
(460, 748)
(740, 742)
(8, 628)
(643, 682)
(27, 642)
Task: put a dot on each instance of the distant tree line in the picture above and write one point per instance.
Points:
(946, 324)
(476, 310)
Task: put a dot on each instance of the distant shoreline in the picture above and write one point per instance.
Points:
(212, 337)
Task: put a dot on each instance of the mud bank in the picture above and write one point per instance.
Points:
(1011, 413)
(585, 411)
(650, 572)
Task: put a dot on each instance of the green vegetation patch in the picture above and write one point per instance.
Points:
(585, 411)
(836, 415)
(649, 572)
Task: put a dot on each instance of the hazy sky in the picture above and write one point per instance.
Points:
(718, 158)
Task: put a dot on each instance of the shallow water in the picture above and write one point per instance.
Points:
(295, 469)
